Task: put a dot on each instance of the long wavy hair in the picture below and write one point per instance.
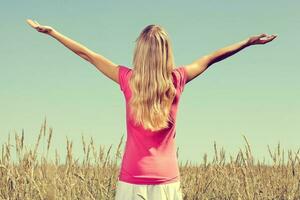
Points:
(151, 82)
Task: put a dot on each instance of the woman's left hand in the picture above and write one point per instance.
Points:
(39, 28)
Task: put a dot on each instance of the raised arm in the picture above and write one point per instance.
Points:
(201, 64)
(104, 65)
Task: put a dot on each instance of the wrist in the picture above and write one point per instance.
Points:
(53, 32)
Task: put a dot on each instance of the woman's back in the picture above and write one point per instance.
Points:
(150, 157)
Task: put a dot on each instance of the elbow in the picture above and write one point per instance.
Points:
(84, 56)
(207, 60)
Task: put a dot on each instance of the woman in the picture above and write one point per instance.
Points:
(152, 90)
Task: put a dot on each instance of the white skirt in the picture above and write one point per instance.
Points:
(129, 191)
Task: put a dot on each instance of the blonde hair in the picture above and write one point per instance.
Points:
(151, 81)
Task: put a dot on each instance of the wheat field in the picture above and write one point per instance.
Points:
(34, 176)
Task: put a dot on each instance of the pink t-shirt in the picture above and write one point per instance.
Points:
(150, 157)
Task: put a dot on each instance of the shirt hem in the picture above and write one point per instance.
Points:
(141, 182)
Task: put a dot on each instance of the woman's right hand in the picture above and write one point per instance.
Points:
(261, 39)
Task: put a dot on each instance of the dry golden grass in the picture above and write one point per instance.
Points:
(33, 177)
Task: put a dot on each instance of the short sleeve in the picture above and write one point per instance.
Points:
(182, 77)
(123, 72)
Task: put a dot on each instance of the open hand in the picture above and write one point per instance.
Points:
(39, 28)
(261, 39)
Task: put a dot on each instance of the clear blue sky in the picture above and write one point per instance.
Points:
(256, 92)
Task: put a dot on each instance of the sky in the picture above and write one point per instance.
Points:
(255, 92)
